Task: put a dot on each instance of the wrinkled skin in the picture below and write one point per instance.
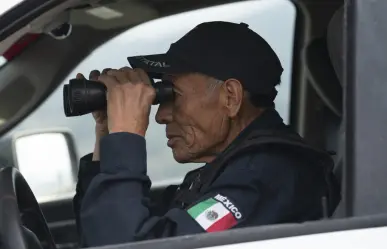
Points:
(203, 119)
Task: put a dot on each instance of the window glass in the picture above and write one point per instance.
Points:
(7, 5)
(272, 19)
(3, 61)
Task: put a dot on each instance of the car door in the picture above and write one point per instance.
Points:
(155, 36)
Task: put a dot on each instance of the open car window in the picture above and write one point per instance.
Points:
(272, 19)
(7, 5)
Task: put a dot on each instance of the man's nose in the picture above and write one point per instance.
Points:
(164, 113)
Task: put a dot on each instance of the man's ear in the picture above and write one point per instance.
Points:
(233, 96)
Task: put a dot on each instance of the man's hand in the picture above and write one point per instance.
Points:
(100, 116)
(129, 99)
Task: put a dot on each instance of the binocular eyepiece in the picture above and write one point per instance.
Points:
(83, 96)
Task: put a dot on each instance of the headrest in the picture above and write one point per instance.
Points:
(324, 62)
(335, 41)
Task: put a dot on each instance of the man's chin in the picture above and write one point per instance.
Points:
(188, 158)
(180, 157)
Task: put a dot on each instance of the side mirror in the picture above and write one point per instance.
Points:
(48, 162)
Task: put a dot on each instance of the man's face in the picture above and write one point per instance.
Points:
(196, 122)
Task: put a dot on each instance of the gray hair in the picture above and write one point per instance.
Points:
(213, 84)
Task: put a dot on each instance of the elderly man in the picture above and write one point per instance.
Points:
(257, 171)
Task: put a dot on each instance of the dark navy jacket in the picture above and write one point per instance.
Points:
(271, 186)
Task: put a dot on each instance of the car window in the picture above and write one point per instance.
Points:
(273, 19)
(3, 61)
(7, 5)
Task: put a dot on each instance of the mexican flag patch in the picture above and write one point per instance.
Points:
(215, 214)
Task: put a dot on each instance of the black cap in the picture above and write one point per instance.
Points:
(222, 50)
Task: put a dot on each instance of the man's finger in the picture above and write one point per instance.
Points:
(94, 75)
(121, 76)
(106, 70)
(137, 75)
(79, 76)
(124, 69)
(133, 76)
(144, 77)
(108, 81)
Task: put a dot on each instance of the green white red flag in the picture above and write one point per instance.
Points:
(212, 215)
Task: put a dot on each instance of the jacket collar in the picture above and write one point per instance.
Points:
(269, 119)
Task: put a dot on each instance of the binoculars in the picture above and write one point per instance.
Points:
(83, 96)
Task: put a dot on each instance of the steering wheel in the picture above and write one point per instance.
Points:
(16, 198)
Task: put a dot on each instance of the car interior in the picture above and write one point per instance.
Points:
(37, 61)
